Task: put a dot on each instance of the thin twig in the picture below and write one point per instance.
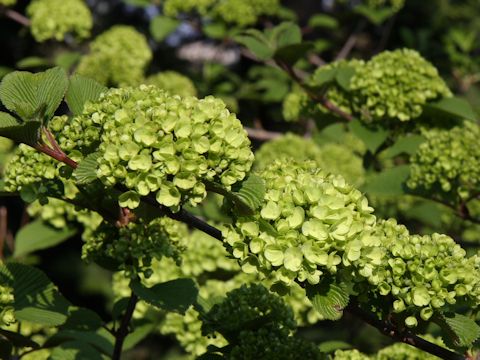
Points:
(262, 134)
(122, 331)
(351, 41)
(3, 229)
(406, 337)
(15, 16)
(56, 155)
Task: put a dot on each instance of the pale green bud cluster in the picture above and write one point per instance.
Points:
(402, 351)
(159, 144)
(118, 56)
(395, 85)
(246, 306)
(421, 274)
(28, 167)
(132, 247)
(331, 157)
(448, 161)
(7, 313)
(264, 344)
(54, 19)
(308, 222)
(60, 214)
(294, 105)
(397, 351)
(353, 354)
(239, 12)
(173, 82)
(258, 324)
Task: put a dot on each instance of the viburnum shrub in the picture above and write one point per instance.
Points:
(230, 183)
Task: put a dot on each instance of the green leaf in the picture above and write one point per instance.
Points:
(323, 21)
(215, 30)
(332, 345)
(75, 350)
(25, 93)
(285, 34)
(343, 76)
(82, 319)
(404, 145)
(251, 192)
(27, 133)
(18, 340)
(162, 26)
(328, 299)
(52, 85)
(290, 54)
(388, 182)
(375, 15)
(372, 137)
(140, 332)
(36, 298)
(452, 106)
(32, 62)
(81, 90)
(86, 172)
(38, 235)
(459, 330)
(67, 59)
(18, 92)
(100, 340)
(175, 295)
(256, 42)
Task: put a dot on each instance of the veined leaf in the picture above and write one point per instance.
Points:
(36, 298)
(38, 235)
(404, 145)
(323, 21)
(250, 191)
(18, 340)
(459, 330)
(74, 350)
(372, 138)
(81, 90)
(25, 93)
(452, 106)
(388, 182)
(175, 295)
(256, 42)
(86, 172)
(162, 26)
(328, 299)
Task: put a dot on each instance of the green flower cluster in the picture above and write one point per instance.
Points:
(155, 143)
(308, 222)
(397, 351)
(418, 274)
(54, 19)
(118, 56)
(28, 167)
(395, 85)
(353, 354)
(331, 157)
(60, 214)
(314, 224)
(7, 313)
(257, 324)
(239, 12)
(132, 247)
(245, 307)
(173, 82)
(264, 344)
(448, 161)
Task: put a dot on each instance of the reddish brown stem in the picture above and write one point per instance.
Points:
(59, 156)
(15, 16)
(3, 229)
